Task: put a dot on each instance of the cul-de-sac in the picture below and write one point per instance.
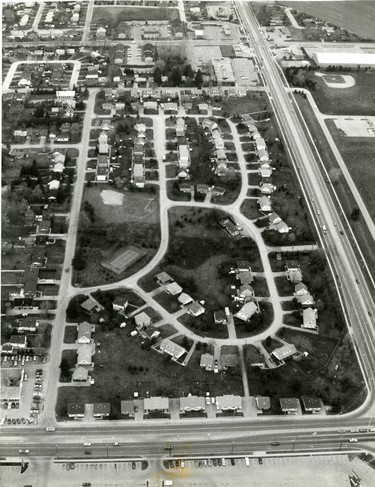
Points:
(187, 233)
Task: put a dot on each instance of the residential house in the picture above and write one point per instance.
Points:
(229, 357)
(85, 353)
(184, 299)
(282, 227)
(300, 289)
(101, 410)
(263, 156)
(245, 291)
(180, 127)
(30, 282)
(265, 172)
(85, 331)
(274, 219)
(265, 203)
(38, 257)
(284, 352)
(163, 278)
(150, 106)
(217, 190)
(263, 403)
(151, 332)
(229, 227)
(156, 404)
(139, 175)
(247, 311)
(207, 123)
(195, 309)
(142, 320)
(203, 109)
(293, 272)
(186, 187)
(173, 288)
(221, 155)
(255, 357)
(172, 349)
(120, 304)
(80, 374)
(183, 156)
(309, 319)
(312, 405)
(289, 405)
(306, 299)
(228, 402)
(207, 361)
(260, 143)
(76, 411)
(182, 174)
(89, 306)
(203, 188)
(267, 188)
(170, 107)
(192, 403)
(220, 317)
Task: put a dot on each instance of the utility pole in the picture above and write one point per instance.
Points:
(233, 446)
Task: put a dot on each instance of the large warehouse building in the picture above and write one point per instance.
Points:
(345, 59)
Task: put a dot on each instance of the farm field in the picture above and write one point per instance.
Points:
(356, 17)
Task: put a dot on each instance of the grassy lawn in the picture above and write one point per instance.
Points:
(342, 189)
(357, 100)
(358, 154)
(174, 193)
(284, 287)
(254, 101)
(70, 334)
(204, 325)
(117, 14)
(168, 302)
(71, 357)
(106, 227)
(249, 208)
(125, 366)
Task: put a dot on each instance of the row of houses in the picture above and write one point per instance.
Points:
(197, 404)
(138, 157)
(220, 156)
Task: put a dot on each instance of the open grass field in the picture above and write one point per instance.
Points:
(356, 17)
(359, 156)
(124, 366)
(343, 192)
(135, 206)
(356, 100)
(116, 14)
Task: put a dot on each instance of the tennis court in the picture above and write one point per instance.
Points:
(123, 258)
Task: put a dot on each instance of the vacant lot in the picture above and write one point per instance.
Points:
(124, 366)
(114, 15)
(341, 187)
(358, 154)
(356, 17)
(255, 102)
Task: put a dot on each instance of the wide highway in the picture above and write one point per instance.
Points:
(357, 299)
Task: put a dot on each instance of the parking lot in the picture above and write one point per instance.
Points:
(23, 408)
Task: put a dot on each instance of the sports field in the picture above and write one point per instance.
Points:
(123, 258)
(125, 207)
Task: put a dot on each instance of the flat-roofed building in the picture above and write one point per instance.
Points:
(101, 410)
(223, 71)
(312, 404)
(76, 411)
(192, 403)
(228, 402)
(289, 405)
(156, 404)
(346, 59)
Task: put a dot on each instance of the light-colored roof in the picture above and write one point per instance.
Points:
(171, 348)
(85, 354)
(289, 403)
(207, 360)
(342, 58)
(184, 298)
(88, 305)
(192, 403)
(173, 288)
(163, 277)
(156, 403)
(142, 319)
(80, 373)
(229, 401)
(285, 351)
(196, 309)
(247, 311)
(263, 402)
(84, 330)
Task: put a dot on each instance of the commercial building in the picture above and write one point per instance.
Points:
(346, 59)
(223, 71)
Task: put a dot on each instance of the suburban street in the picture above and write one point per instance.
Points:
(194, 438)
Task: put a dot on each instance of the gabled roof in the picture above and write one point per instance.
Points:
(173, 288)
(80, 374)
(101, 408)
(207, 360)
(184, 298)
(285, 351)
(289, 403)
(163, 277)
(192, 403)
(142, 319)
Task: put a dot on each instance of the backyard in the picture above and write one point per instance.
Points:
(125, 366)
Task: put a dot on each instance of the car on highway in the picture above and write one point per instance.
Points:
(223, 462)
(275, 443)
(260, 460)
(134, 465)
(353, 440)
(87, 443)
(24, 452)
